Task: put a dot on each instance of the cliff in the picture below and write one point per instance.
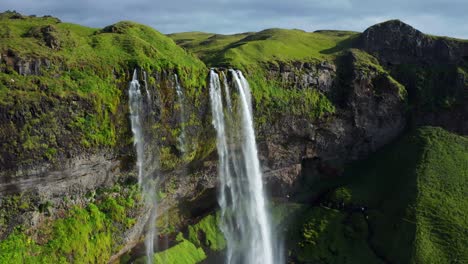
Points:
(321, 100)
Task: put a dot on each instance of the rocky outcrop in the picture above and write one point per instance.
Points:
(47, 34)
(24, 66)
(433, 70)
(396, 42)
(303, 75)
(372, 115)
(78, 176)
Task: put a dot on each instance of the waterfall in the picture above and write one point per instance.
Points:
(180, 100)
(136, 106)
(245, 221)
(145, 80)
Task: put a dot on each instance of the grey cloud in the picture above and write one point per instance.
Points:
(437, 17)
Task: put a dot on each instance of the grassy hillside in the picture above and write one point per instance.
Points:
(255, 52)
(407, 204)
(247, 50)
(68, 81)
(84, 234)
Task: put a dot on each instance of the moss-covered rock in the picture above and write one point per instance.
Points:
(404, 205)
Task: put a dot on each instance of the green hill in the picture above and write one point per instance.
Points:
(414, 197)
(271, 45)
(48, 65)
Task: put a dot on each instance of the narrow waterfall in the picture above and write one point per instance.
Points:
(244, 216)
(145, 80)
(136, 106)
(182, 119)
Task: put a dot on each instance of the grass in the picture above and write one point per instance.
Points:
(434, 87)
(272, 100)
(201, 237)
(88, 234)
(184, 252)
(248, 50)
(414, 195)
(207, 233)
(329, 236)
(77, 96)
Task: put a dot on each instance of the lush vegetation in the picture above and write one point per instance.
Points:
(192, 245)
(272, 100)
(87, 234)
(68, 82)
(248, 50)
(435, 87)
(207, 233)
(403, 205)
(184, 252)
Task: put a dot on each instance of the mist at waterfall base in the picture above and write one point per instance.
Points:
(245, 221)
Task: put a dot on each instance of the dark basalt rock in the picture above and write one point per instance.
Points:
(396, 42)
(373, 115)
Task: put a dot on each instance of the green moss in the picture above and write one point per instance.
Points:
(81, 81)
(183, 253)
(329, 236)
(83, 235)
(272, 99)
(412, 193)
(432, 88)
(207, 233)
(366, 64)
(11, 206)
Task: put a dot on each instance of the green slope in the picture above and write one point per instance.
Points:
(255, 52)
(271, 45)
(86, 68)
(414, 195)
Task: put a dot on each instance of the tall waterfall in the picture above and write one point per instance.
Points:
(245, 221)
(180, 100)
(136, 106)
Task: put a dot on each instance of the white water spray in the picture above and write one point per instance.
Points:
(180, 100)
(136, 109)
(145, 80)
(245, 221)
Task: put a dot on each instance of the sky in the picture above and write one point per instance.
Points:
(437, 17)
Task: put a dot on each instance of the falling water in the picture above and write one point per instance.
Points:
(145, 80)
(136, 110)
(245, 221)
(180, 100)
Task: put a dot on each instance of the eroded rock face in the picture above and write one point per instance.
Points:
(433, 70)
(77, 175)
(372, 116)
(396, 42)
(24, 66)
(304, 75)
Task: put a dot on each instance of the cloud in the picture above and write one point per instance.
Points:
(436, 17)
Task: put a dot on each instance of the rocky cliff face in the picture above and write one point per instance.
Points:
(370, 114)
(49, 148)
(433, 70)
(396, 42)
